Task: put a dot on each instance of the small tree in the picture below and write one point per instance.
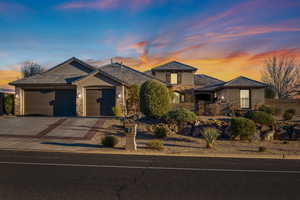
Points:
(133, 101)
(31, 68)
(281, 73)
(8, 104)
(154, 99)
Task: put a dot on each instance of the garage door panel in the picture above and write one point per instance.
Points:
(65, 103)
(39, 102)
(99, 102)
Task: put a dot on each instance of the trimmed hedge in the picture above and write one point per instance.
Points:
(8, 104)
(181, 115)
(262, 118)
(243, 128)
(161, 132)
(154, 99)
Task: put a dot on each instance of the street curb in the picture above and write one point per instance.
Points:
(206, 155)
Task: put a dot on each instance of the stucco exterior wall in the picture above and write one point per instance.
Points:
(257, 97)
(19, 101)
(232, 96)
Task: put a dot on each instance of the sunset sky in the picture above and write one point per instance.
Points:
(223, 38)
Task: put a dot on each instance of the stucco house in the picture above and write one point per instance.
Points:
(76, 88)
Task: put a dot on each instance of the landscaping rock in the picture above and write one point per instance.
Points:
(296, 132)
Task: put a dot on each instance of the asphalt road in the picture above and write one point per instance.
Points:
(43, 176)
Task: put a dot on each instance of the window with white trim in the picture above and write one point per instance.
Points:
(174, 78)
(245, 99)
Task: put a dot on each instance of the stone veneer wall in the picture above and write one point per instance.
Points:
(19, 101)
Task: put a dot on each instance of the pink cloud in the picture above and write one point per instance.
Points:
(105, 4)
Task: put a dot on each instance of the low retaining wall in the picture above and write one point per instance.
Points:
(284, 104)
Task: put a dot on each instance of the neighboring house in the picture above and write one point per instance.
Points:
(198, 90)
(75, 88)
(4, 92)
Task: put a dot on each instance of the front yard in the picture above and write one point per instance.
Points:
(180, 144)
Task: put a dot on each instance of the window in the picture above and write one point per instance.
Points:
(177, 98)
(174, 78)
(245, 99)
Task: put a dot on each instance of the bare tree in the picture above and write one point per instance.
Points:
(281, 73)
(30, 68)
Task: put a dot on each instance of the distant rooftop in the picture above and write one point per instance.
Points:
(175, 66)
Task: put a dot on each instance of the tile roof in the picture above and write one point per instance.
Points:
(240, 81)
(174, 65)
(127, 74)
(51, 76)
(205, 80)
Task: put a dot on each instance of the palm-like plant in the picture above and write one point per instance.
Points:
(210, 135)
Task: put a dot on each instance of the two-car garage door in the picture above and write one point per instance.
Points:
(50, 102)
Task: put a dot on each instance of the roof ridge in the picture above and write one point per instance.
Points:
(134, 70)
(228, 82)
(210, 77)
(174, 61)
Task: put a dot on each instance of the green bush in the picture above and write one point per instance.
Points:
(133, 100)
(156, 145)
(267, 109)
(181, 115)
(117, 110)
(154, 99)
(243, 128)
(8, 104)
(262, 118)
(210, 135)
(161, 132)
(110, 141)
(287, 116)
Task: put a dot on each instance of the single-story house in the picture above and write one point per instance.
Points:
(76, 88)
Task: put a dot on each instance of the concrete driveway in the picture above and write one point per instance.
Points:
(49, 127)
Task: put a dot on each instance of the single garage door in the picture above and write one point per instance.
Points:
(50, 102)
(65, 103)
(100, 102)
(39, 102)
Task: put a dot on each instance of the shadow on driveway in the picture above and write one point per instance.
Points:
(74, 144)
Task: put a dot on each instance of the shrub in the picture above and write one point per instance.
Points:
(133, 100)
(267, 109)
(243, 128)
(161, 132)
(181, 115)
(117, 111)
(110, 141)
(8, 104)
(154, 99)
(156, 145)
(262, 118)
(269, 93)
(262, 149)
(287, 116)
(291, 110)
(210, 135)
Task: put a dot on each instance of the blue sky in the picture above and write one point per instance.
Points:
(206, 33)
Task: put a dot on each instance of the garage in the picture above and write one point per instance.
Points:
(100, 102)
(46, 102)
